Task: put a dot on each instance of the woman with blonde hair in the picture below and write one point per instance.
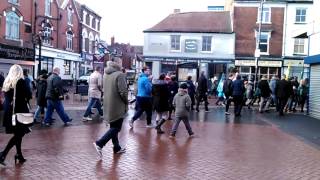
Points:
(15, 80)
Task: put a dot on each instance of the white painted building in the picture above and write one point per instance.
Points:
(186, 43)
(298, 16)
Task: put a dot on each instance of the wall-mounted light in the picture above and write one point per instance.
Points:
(4, 14)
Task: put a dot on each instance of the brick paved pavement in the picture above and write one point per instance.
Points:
(224, 148)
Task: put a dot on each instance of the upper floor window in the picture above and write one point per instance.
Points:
(12, 25)
(70, 11)
(298, 46)
(88, 19)
(48, 8)
(94, 23)
(266, 15)
(13, 1)
(47, 29)
(206, 43)
(99, 26)
(175, 42)
(301, 15)
(264, 42)
(69, 40)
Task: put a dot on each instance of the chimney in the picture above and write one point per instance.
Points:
(175, 11)
(112, 41)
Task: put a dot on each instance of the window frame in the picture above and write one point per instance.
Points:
(69, 37)
(65, 64)
(300, 15)
(12, 27)
(299, 45)
(264, 15)
(267, 43)
(175, 45)
(206, 46)
(47, 33)
(70, 16)
(47, 10)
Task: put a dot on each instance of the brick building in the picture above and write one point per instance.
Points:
(15, 34)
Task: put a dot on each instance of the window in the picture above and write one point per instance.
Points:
(12, 25)
(67, 67)
(86, 44)
(93, 47)
(69, 40)
(175, 42)
(48, 8)
(69, 16)
(298, 46)
(99, 26)
(301, 15)
(206, 43)
(13, 1)
(47, 34)
(90, 46)
(47, 63)
(88, 19)
(94, 23)
(264, 42)
(266, 15)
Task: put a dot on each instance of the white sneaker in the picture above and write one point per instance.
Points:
(87, 119)
(150, 126)
(226, 113)
(98, 149)
(122, 150)
(131, 123)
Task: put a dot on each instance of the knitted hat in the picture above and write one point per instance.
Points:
(184, 86)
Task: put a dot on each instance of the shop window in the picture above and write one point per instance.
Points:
(266, 15)
(13, 1)
(298, 45)
(67, 67)
(244, 70)
(206, 43)
(301, 15)
(47, 64)
(175, 42)
(12, 25)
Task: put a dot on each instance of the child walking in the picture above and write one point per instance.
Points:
(182, 104)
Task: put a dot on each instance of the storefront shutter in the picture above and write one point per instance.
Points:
(314, 91)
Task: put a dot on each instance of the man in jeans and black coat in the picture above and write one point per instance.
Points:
(237, 94)
(284, 91)
(265, 90)
(202, 92)
(227, 90)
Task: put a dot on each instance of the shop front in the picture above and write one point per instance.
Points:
(296, 68)
(10, 55)
(86, 64)
(265, 67)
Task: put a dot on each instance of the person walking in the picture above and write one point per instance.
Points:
(191, 91)
(284, 91)
(202, 92)
(161, 95)
(220, 92)
(173, 89)
(15, 82)
(227, 90)
(272, 85)
(41, 95)
(303, 92)
(54, 96)
(182, 103)
(144, 98)
(237, 94)
(249, 93)
(264, 87)
(115, 106)
(94, 94)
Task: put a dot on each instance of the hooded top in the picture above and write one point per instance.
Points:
(182, 103)
(144, 86)
(115, 93)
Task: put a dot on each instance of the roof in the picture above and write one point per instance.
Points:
(199, 22)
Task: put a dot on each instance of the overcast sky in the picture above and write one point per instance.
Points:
(126, 19)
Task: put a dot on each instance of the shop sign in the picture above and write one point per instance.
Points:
(191, 45)
(270, 63)
(295, 63)
(18, 53)
(61, 56)
(244, 63)
(87, 57)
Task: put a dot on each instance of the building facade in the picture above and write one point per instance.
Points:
(16, 35)
(187, 43)
(247, 15)
(90, 37)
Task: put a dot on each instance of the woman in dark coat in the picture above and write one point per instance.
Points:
(173, 90)
(23, 95)
(160, 93)
(41, 94)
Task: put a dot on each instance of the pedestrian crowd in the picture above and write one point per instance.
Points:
(164, 96)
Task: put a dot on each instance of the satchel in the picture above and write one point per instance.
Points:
(23, 118)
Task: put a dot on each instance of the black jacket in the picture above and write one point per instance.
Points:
(160, 93)
(191, 88)
(54, 88)
(227, 87)
(23, 95)
(264, 87)
(202, 85)
(41, 92)
(283, 89)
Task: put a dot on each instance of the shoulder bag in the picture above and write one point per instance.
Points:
(23, 118)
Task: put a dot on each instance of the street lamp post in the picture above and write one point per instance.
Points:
(257, 50)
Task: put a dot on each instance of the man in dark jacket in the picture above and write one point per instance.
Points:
(54, 95)
(283, 90)
(202, 92)
(227, 90)
(237, 94)
(265, 91)
(173, 89)
(191, 90)
(41, 94)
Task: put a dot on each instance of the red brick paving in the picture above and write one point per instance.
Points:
(219, 151)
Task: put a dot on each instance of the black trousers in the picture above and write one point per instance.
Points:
(202, 97)
(16, 140)
(282, 104)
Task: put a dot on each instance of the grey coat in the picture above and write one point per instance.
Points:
(115, 102)
(182, 103)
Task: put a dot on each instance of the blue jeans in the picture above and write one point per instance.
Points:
(143, 104)
(58, 106)
(93, 102)
(38, 112)
(112, 134)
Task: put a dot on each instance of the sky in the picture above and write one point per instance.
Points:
(126, 19)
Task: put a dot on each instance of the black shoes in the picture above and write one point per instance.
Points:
(2, 158)
(20, 158)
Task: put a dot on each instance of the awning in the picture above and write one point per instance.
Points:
(312, 59)
(302, 35)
